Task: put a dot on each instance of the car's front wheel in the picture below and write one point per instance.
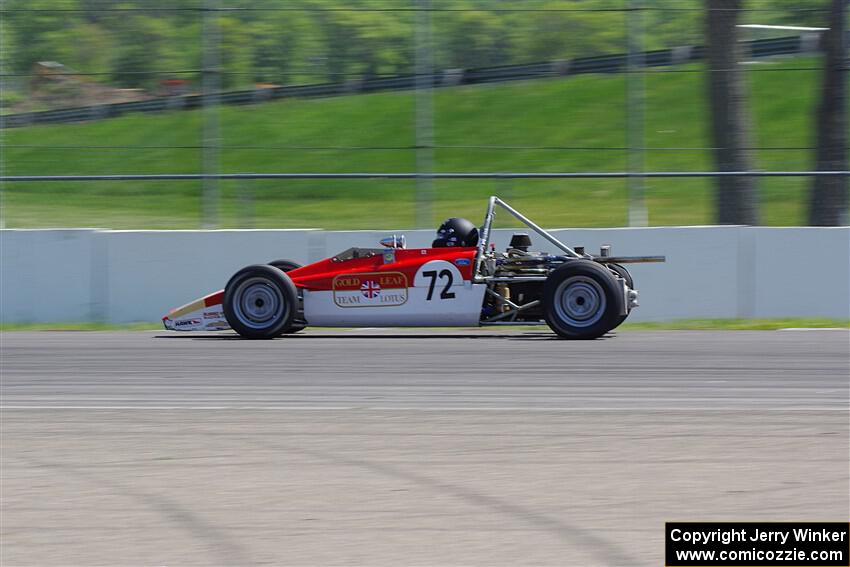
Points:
(299, 324)
(260, 302)
(285, 265)
(581, 300)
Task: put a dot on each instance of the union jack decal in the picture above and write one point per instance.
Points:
(370, 289)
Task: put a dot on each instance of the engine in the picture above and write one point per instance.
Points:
(516, 288)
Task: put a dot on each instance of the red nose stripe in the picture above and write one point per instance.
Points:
(214, 299)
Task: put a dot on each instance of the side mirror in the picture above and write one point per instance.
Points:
(394, 241)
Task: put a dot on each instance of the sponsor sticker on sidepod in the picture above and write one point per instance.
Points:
(374, 289)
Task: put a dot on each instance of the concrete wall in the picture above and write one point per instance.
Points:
(48, 275)
(148, 272)
(124, 276)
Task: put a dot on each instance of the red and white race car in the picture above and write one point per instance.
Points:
(461, 280)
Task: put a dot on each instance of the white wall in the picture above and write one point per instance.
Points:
(802, 271)
(149, 272)
(47, 275)
(699, 279)
(123, 276)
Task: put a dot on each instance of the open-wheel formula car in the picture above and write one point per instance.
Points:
(461, 280)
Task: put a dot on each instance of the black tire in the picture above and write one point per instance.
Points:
(623, 273)
(285, 265)
(581, 300)
(298, 324)
(260, 302)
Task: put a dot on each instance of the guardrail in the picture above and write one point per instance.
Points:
(452, 77)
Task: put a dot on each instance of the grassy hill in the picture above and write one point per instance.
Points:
(574, 119)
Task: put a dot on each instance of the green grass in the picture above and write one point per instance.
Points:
(683, 325)
(581, 112)
(140, 326)
(738, 324)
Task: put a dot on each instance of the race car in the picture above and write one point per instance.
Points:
(461, 280)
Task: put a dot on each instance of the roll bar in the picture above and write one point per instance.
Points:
(486, 230)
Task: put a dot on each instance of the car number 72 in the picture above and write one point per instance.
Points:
(442, 275)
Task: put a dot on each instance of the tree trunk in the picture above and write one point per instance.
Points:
(736, 198)
(828, 198)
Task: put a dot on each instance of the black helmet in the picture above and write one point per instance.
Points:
(456, 232)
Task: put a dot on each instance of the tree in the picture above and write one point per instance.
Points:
(828, 197)
(473, 39)
(736, 197)
(235, 52)
(39, 31)
(136, 62)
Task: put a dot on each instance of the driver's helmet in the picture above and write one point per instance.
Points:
(456, 232)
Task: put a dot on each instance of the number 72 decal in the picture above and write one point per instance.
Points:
(440, 279)
(443, 275)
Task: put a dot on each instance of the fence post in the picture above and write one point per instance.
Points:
(211, 132)
(635, 114)
(424, 102)
(3, 125)
(2, 183)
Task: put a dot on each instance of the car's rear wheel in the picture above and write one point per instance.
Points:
(623, 273)
(260, 302)
(581, 300)
(298, 324)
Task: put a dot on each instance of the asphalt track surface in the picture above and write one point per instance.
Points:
(401, 448)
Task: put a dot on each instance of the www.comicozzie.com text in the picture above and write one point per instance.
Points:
(743, 534)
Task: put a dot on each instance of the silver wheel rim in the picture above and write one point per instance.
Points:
(258, 304)
(580, 301)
